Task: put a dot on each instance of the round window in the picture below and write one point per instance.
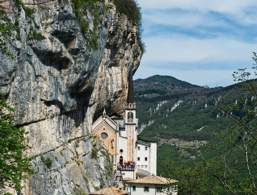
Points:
(104, 135)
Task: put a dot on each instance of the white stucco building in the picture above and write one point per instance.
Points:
(146, 157)
(132, 158)
(152, 185)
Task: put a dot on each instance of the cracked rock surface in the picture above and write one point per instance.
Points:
(59, 76)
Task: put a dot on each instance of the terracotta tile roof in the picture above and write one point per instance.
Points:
(109, 191)
(153, 180)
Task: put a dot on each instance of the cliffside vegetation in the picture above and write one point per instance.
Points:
(13, 164)
(80, 9)
(7, 29)
(132, 10)
(127, 7)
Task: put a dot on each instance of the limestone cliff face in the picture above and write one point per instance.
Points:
(61, 63)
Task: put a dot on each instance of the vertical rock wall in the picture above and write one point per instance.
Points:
(61, 63)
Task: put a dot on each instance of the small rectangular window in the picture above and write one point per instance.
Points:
(134, 188)
(146, 189)
(145, 158)
(146, 148)
(138, 158)
(138, 148)
(159, 189)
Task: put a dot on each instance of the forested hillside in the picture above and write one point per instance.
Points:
(169, 108)
(192, 125)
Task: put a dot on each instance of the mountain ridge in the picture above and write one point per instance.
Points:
(184, 116)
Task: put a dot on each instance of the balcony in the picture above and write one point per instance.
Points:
(126, 166)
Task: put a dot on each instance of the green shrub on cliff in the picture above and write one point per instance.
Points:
(13, 164)
(47, 162)
(127, 7)
(80, 7)
(28, 11)
(130, 8)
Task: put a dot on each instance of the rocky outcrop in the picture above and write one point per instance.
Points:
(62, 62)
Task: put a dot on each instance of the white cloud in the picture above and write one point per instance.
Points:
(239, 9)
(188, 19)
(168, 48)
(183, 49)
(164, 54)
(229, 6)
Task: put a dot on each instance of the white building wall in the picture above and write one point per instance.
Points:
(123, 133)
(147, 158)
(128, 174)
(152, 190)
(153, 158)
(140, 190)
(143, 154)
(122, 144)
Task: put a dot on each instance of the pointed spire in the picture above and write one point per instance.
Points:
(104, 113)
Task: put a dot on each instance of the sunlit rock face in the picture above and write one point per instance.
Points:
(59, 67)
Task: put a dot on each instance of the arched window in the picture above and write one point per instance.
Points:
(130, 117)
(121, 160)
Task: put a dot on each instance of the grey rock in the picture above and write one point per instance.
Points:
(59, 79)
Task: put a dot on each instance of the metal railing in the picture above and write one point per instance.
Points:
(126, 166)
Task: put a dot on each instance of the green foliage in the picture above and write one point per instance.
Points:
(28, 11)
(127, 7)
(34, 35)
(227, 164)
(108, 164)
(7, 29)
(188, 122)
(47, 162)
(80, 7)
(131, 9)
(18, 2)
(94, 150)
(13, 164)
(79, 191)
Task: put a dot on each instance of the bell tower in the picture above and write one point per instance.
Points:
(131, 123)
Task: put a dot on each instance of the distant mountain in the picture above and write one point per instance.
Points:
(164, 82)
(163, 87)
(182, 115)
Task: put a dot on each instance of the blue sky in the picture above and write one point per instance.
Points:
(199, 41)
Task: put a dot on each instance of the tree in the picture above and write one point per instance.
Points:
(234, 153)
(240, 159)
(228, 164)
(13, 164)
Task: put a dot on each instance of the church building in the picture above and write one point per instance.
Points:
(132, 158)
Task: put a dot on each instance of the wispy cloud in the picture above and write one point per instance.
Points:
(185, 49)
(197, 36)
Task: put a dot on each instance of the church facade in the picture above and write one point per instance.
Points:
(131, 157)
